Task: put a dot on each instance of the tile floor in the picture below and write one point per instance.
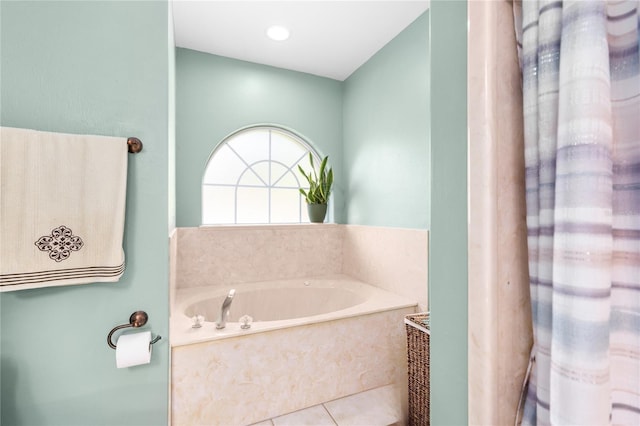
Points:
(376, 407)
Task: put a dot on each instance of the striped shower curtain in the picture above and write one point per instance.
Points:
(581, 90)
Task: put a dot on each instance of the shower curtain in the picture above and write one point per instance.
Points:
(581, 102)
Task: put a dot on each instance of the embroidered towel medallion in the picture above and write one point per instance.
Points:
(60, 243)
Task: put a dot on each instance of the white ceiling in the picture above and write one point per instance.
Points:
(330, 38)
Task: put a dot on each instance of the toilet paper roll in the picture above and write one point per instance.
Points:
(133, 349)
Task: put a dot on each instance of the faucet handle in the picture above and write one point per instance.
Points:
(197, 321)
(245, 322)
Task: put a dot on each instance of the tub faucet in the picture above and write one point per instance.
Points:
(221, 322)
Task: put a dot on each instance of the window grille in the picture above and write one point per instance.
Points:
(252, 177)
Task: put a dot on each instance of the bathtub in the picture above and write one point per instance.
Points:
(277, 304)
(312, 340)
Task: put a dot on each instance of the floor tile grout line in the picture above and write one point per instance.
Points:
(329, 413)
(323, 404)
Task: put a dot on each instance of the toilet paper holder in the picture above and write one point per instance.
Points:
(137, 319)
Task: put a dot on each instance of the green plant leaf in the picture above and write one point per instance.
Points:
(323, 165)
(308, 177)
(319, 182)
(313, 167)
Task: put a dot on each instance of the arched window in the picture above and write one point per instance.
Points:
(252, 177)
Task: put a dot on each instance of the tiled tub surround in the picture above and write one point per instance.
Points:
(226, 255)
(394, 259)
(245, 379)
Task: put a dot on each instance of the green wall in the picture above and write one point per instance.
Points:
(377, 121)
(386, 133)
(217, 96)
(99, 68)
(79, 67)
(172, 123)
(448, 257)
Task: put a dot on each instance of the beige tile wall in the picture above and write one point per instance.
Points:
(500, 333)
(214, 256)
(309, 364)
(393, 259)
(515, 334)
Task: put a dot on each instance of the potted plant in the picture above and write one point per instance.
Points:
(319, 189)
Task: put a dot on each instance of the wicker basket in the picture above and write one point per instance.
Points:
(418, 332)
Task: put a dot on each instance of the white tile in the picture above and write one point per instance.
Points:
(313, 416)
(377, 407)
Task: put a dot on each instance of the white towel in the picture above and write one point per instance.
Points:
(62, 208)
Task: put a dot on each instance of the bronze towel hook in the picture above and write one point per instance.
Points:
(135, 145)
(137, 319)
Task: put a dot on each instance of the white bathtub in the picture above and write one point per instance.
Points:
(312, 340)
(277, 304)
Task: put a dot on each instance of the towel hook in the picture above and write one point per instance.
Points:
(137, 319)
(135, 145)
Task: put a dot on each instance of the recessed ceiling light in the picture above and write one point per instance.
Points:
(278, 33)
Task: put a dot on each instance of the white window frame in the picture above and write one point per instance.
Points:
(291, 168)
